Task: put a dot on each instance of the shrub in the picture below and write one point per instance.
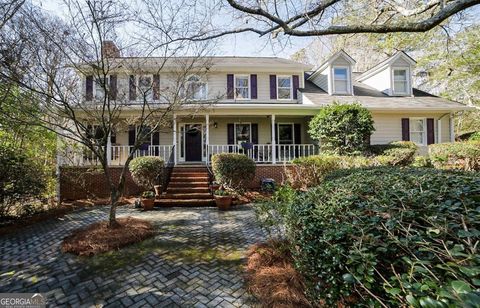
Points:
(233, 170)
(310, 171)
(458, 155)
(398, 153)
(21, 178)
(475, 137)
(342, 129)
(422, 162)
(405, 237)
(146, 171)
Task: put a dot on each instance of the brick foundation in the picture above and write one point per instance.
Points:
(83, 182)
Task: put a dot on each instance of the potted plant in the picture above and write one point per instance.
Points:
(223, 199)
(148, 200)
(214, 186)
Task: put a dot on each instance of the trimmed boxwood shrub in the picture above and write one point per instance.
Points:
(233, 170)
(398, 153)
(146, 171)
(403, 237)
(458, 155)
(342, 128)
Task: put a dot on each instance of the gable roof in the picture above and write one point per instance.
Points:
(329, 61)
(380, 66)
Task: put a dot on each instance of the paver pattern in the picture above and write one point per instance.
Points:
(194, 260)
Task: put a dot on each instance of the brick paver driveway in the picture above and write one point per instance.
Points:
(194, 260)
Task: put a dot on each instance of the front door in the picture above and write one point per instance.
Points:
(193, 142)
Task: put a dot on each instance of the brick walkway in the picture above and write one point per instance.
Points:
(194, 261)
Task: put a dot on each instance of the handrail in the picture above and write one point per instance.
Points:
(168, 169)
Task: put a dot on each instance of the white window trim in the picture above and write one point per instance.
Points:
(200, 81)
(138, 92)
(235, 131)
(291, 87)
(235, 87)
(293, 132)
(424, 139)
(349, 81)
(392, 79)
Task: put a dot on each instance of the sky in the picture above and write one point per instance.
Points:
(245, 44)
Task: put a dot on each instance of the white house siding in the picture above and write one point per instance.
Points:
(380, 81)
(400, 61)
(321, 80)
(388, 126)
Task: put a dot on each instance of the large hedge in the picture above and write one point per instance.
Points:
(233, 170)
(146, 171)
(402, 237)
(458, 155)
(342, 128)
(21, 178)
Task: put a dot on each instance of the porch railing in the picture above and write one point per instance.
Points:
(121, 152)
(262, 153)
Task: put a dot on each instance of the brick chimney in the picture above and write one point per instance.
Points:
(110, 50)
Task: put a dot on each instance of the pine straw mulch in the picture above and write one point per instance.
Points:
(271, 278)
(251, 196)
(98, 238)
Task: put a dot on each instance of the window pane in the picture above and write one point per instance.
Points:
(242, 81)
(285, 134)
(283, 82)
(340, 73)
(400, 75)
(242, 133)
(416, 126)
(416, 137)
(400, 86)
(340, 86)
(283, 93)
(242, 92)
(99, 89)
(196, 90)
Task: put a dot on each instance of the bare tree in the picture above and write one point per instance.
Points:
(326, 17)
(8, 8)
(48, 59)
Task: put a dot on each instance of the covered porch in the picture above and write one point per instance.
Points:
(265, 138)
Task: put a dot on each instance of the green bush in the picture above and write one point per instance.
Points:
(399, 153)
(309, 171)
(146, 171)
(21, 178)
(233, 170)
(342, 128)
(475, 137)
(422, 162)
(403, 237)
(458, 155)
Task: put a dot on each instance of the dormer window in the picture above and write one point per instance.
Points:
(400, 81)
(341, 82)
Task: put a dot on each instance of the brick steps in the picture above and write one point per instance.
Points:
(188, 186)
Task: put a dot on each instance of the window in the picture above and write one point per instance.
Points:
(145, 87)
(242, 133)
(400, 81)
(100, 88)
(284, 87)
(340, 80)
(242, 87)
(417, 130)
(285, 134)
(196, 89)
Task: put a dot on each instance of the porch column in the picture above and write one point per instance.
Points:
(439, 131)
(109, 149)
(452, 130)
(274, 146)
(207, 135)
(175, 139)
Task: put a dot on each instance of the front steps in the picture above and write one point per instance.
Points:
(189, 186)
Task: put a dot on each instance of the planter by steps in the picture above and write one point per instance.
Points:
(223, 202)
(148, 200)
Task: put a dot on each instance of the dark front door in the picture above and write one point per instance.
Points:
(193, 142)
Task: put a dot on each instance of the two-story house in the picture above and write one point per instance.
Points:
(267, 102)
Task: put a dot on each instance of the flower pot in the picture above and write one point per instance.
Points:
(158, 190)
(223, 202)
(148, 204)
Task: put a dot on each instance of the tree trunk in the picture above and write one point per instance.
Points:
(112, 221)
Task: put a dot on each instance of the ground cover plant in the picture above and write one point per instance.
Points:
(458, 155)
(388, 237)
